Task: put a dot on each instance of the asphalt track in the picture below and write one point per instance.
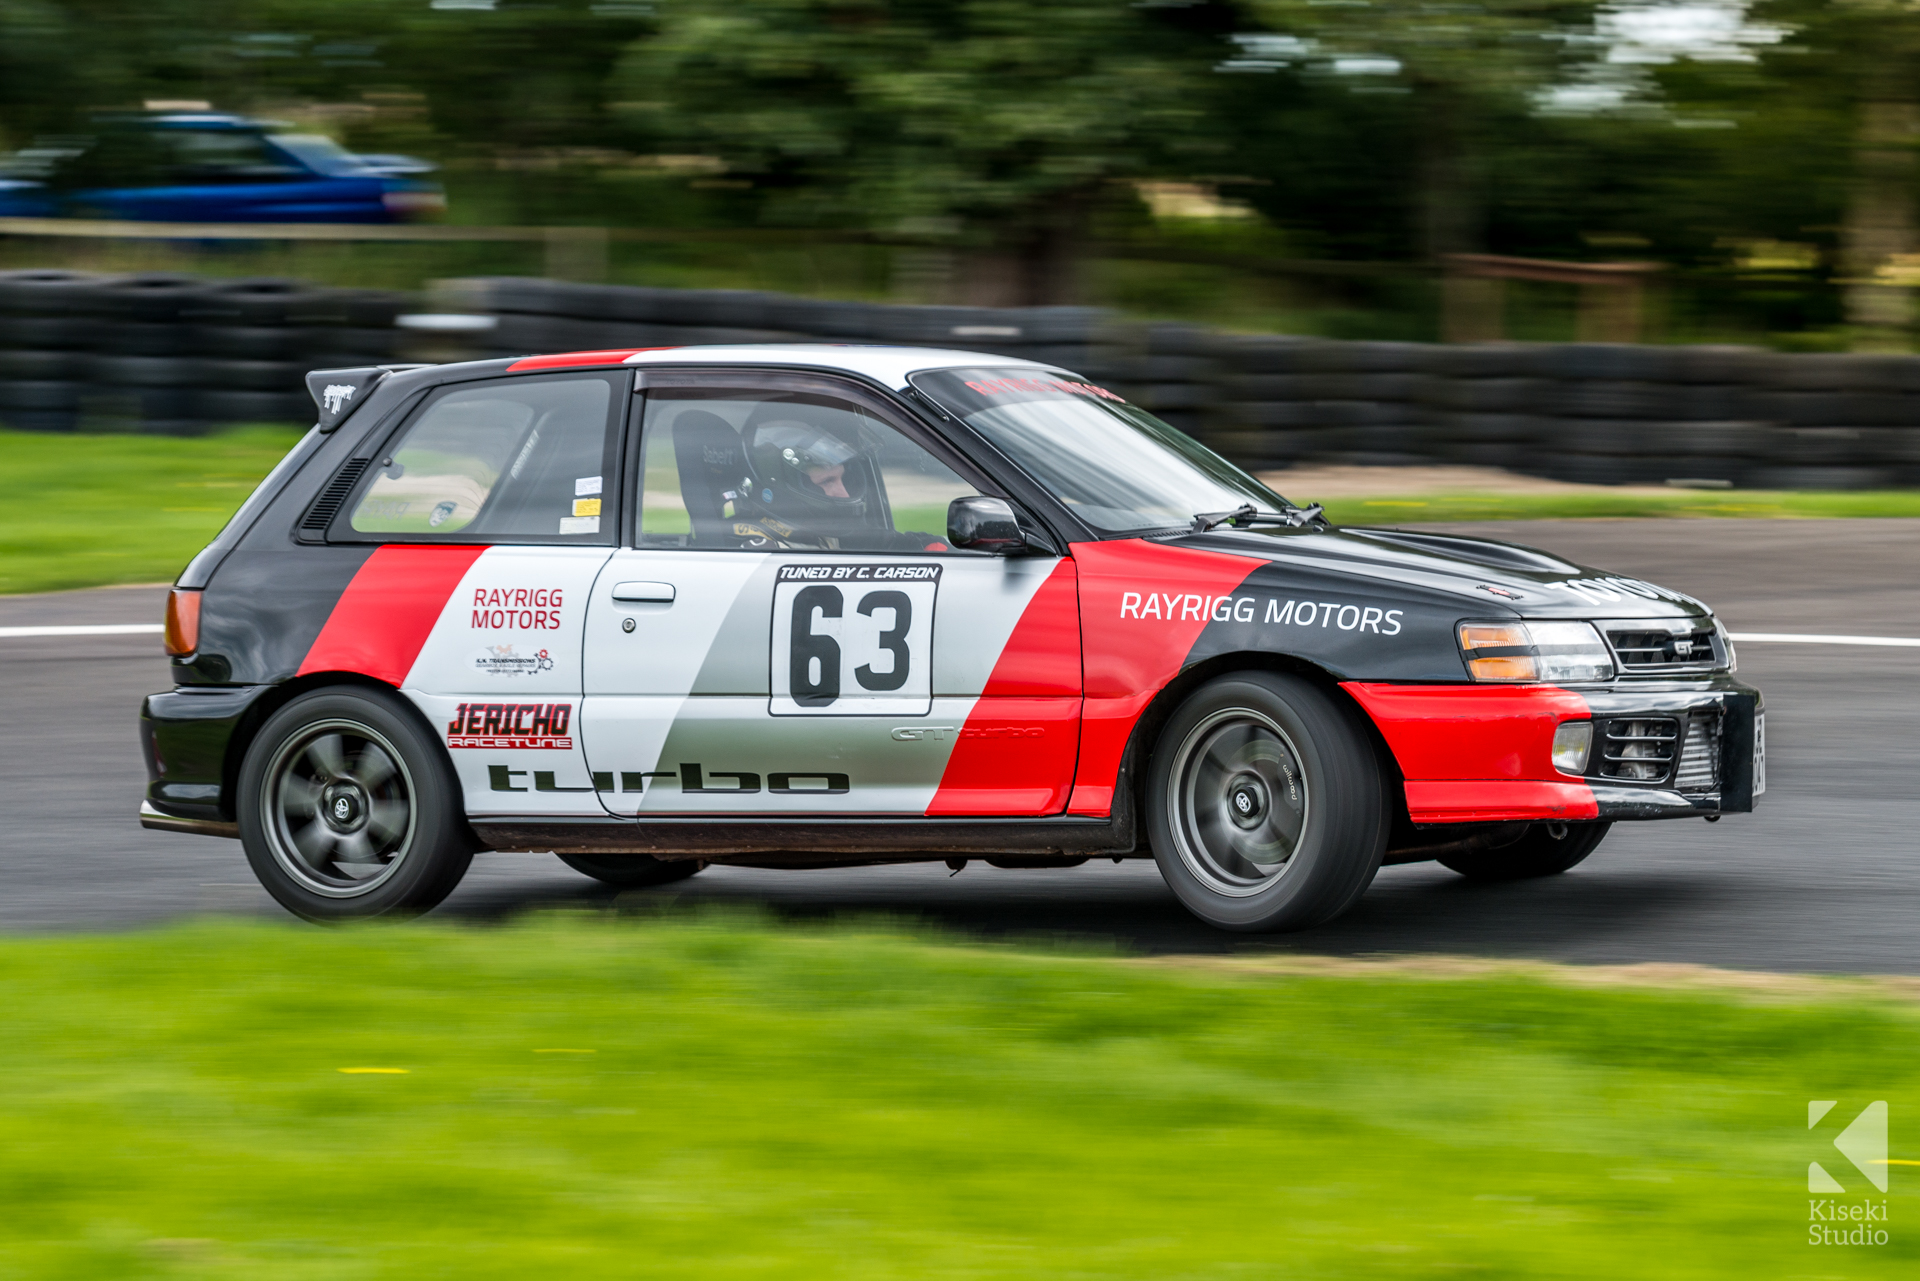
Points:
(1825, 877)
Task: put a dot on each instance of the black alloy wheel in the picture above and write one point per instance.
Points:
(1266, 805)
(349, 808)
(1544, 849)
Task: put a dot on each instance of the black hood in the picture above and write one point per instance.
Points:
(1497, 577)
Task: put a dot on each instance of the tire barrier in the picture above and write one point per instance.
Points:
(173, 354)
(181, 354)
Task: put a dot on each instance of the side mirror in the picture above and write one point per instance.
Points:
(981, 524)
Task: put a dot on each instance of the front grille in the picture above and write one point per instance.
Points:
(1640, 750)
(1699, 769)
(1641, 650)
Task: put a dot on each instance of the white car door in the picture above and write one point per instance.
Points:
(761, 651)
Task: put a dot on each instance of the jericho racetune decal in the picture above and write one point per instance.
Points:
(1187, 606)
(499, 725)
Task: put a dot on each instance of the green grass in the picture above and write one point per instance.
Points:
(711, 1096)
(1413, 508)
(87, 511)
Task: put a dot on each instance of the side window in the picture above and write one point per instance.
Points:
(225, 155)
(522, 459)
(754, 469)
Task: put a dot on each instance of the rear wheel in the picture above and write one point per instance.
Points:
(1265, 804)
(1545, 849)
(348, 808)
(631, 871)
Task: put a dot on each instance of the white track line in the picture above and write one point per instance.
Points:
(87, 629)
(1798, 638)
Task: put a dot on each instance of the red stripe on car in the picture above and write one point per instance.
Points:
(383, 618)
(578, 359)
(1016, 753)
(1133, 650)
(1479, 753)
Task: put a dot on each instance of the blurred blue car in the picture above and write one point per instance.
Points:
(211, 167)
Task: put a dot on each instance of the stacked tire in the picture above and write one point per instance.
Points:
(45, 326)
(1266, 417)
(255, 343)
(1290, 400)
(1839, 422)
(142, 369)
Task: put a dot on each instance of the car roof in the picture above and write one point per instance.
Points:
(883, 364)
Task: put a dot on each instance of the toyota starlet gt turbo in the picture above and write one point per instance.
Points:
(821, 605)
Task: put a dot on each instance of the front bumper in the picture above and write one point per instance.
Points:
(1483, 753)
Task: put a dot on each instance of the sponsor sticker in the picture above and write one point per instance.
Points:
(441, 513)
(586, 485)
(1002, 386)
(511, 725)
(502, 660)
(579, 524)
(525, 609)
(586, 506)
(1168, 607)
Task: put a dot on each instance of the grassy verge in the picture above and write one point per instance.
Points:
(714, 1097)
(87, 511)
(1413, 508)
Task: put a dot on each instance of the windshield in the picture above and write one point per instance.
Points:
(1118, 468)
(320, 154)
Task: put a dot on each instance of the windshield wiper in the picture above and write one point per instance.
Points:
(1248, 514)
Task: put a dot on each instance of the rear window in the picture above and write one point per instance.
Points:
(526, 459)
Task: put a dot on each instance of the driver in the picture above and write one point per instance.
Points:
(801, 485)
(814, 480)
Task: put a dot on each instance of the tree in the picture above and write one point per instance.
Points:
(996, 122)
(1463, 67)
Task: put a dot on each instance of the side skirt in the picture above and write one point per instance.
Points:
(813, 842)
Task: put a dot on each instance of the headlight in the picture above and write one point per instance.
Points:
(1726, 645)
(1535, 652)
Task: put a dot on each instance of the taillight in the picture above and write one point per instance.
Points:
(183, 621)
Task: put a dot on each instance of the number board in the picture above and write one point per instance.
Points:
(853, 640)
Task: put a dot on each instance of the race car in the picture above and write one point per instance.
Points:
(823, 605)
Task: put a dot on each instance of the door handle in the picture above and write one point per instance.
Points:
(657, 593)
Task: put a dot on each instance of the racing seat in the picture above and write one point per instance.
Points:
(713, 464)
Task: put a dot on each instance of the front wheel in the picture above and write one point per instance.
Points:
(348, 808)
(1545, 849)
(632, 871)
(1265, 804)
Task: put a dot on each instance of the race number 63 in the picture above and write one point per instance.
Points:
(853, 640)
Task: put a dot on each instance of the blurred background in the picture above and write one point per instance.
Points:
(1606, 243)
(1288, 165)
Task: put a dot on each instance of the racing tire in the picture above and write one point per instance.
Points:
(1537, 853)
(349, 808)
(1266, 805)
(631, 871)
